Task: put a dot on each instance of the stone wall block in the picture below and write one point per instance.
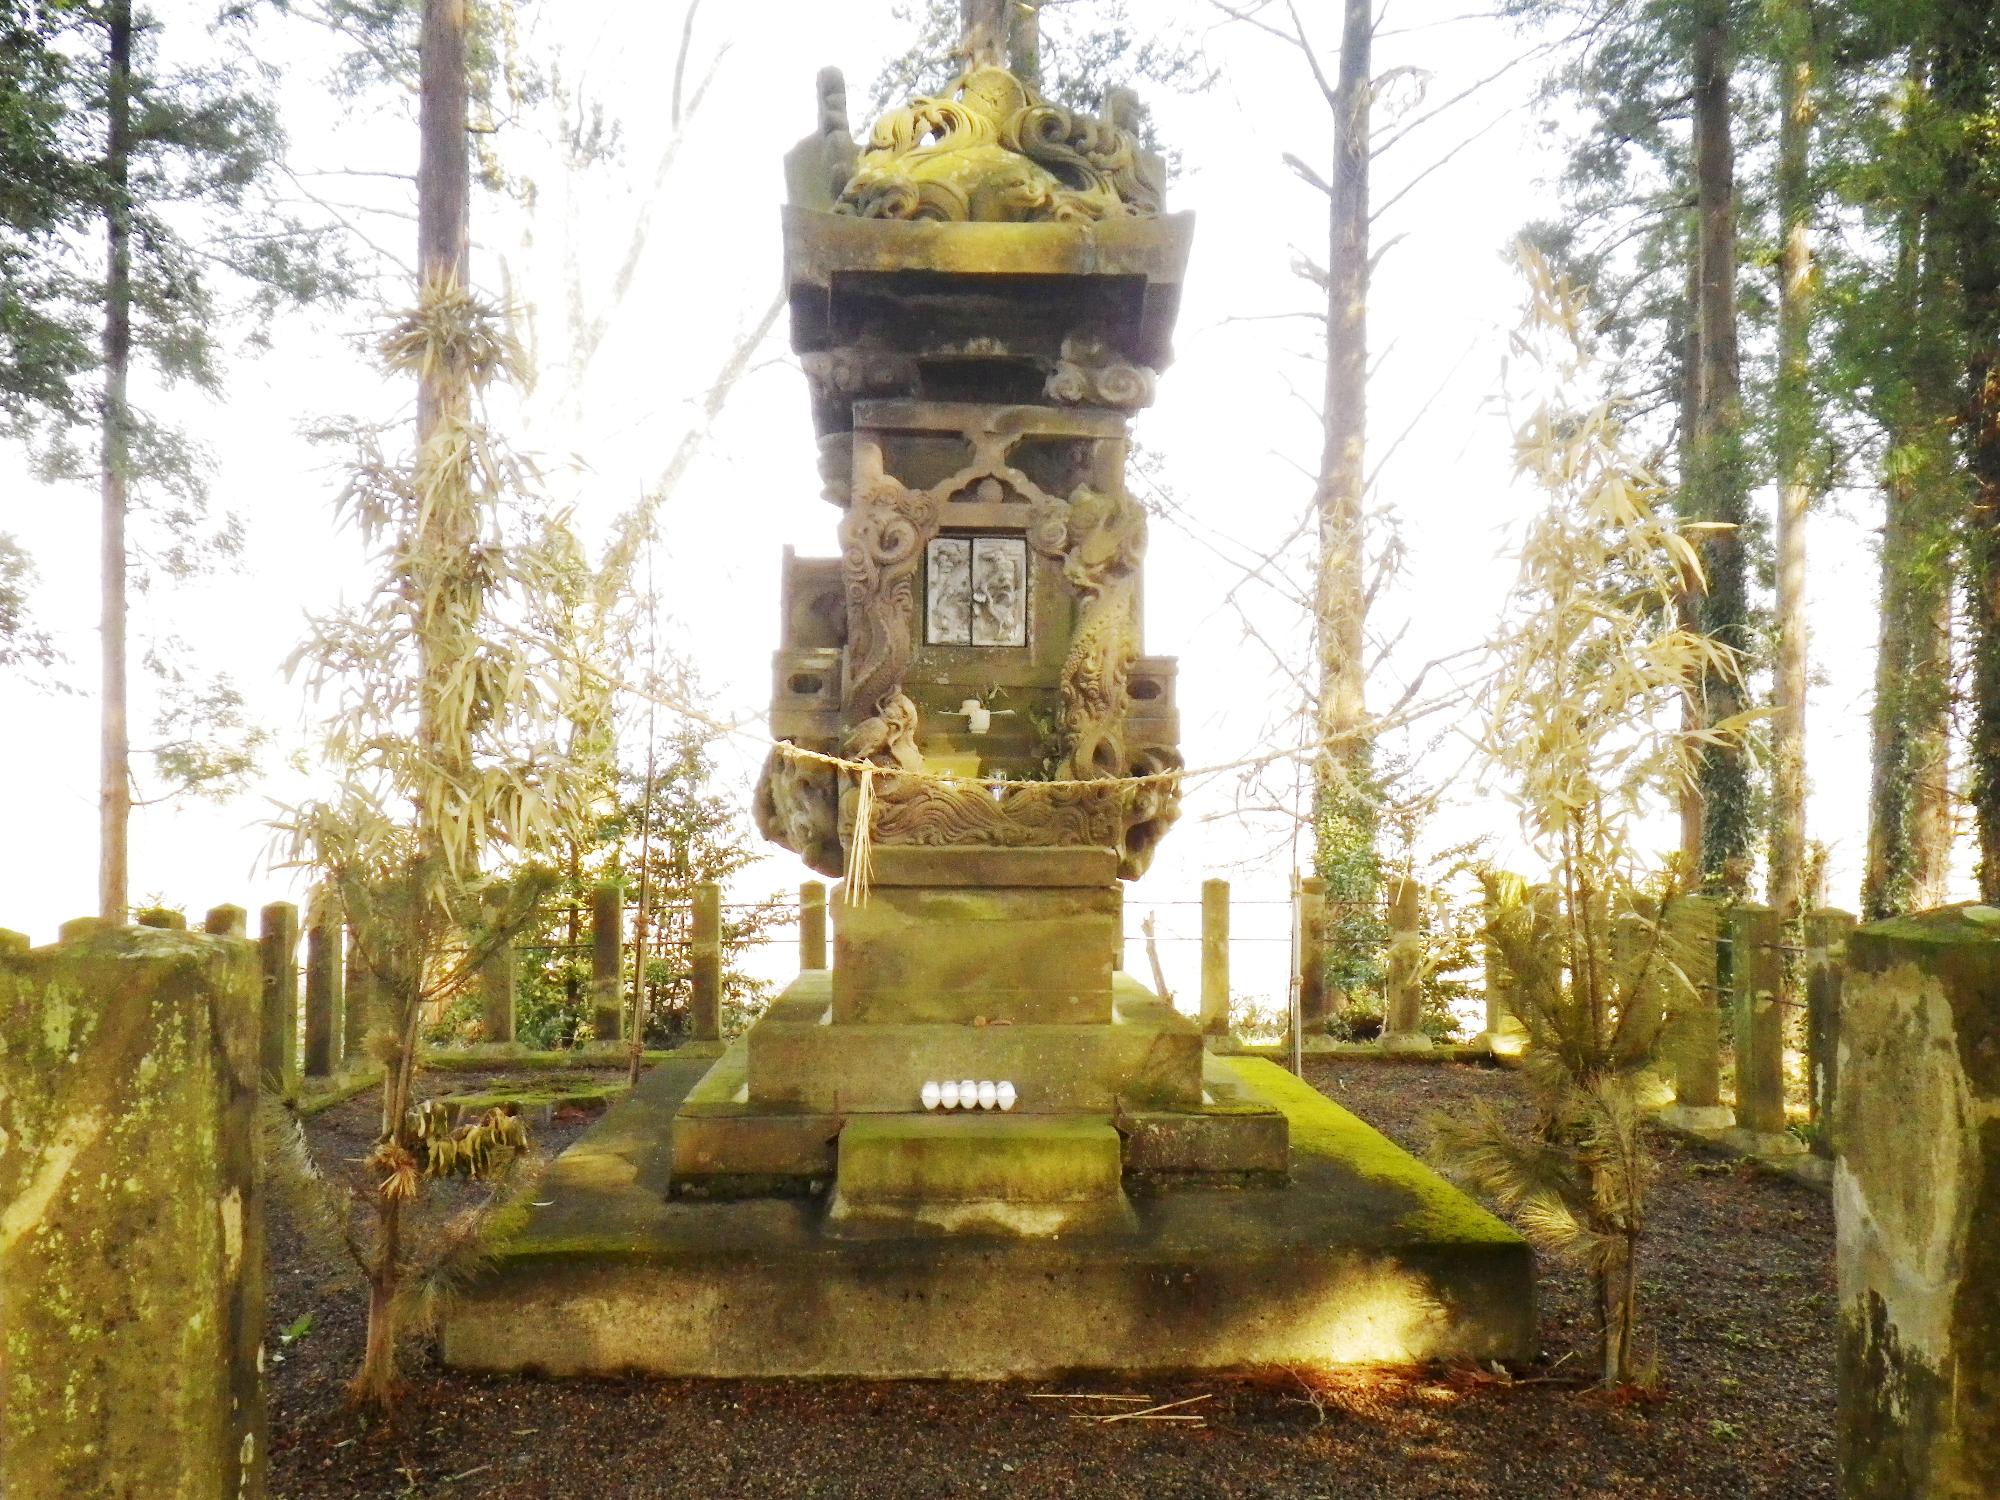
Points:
(131, 1244)
(1916, 1196)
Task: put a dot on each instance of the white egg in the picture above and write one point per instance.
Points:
(1004, 1095)
(948, 1094)
(968, 1093)
(931, 1095)
(987, 1093)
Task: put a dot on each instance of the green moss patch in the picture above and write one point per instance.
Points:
(1321, 1128)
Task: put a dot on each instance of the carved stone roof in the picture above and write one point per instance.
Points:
(997, 152)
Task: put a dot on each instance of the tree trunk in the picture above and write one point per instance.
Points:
(1024, 43)
(1794, 463)
(1910, 821)
(1720, 488)
(444, 186)
(1618, 1312)
(1687, 604)
(115, 765)
(374, 1384)
(1967, 73)
(1344, 815)
(983, 28)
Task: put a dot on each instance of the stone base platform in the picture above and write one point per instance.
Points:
(1366, 1257)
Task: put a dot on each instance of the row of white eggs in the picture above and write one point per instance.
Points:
(985, 1094)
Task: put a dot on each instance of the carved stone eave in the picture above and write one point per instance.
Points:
(820, 245)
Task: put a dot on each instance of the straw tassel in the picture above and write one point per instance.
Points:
(861, 842)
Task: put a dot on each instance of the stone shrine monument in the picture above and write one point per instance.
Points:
(974, 1147)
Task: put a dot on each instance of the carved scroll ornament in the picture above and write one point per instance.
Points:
(999, 152)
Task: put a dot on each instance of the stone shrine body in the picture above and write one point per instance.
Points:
(968, 730)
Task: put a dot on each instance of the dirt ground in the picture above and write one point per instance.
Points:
(1738, 1292)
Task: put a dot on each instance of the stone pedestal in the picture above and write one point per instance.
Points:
(1916, 1196)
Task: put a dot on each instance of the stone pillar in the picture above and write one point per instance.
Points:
(161, 918)
(812, 925)
(1215, 957)
(497, 978)
(1312, 956)
(226, 921)
(326, 994)
(278, 973)
(1118, 926)
(705, 951)
(132, 1239)
(1756, 965)
(1402, 1022)
(1503, 1032)
(1691, 1045)
(607, 937)
(363, 1007)
(1916, 1189)
(1827, 932)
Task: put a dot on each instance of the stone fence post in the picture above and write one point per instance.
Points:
(362, 1008)
(226, 921)
(132, 1238)
(607, 939)
(1402, 1022)
(1826, 952)
(1691, 1045)
(1215, 958)
(326, 990)
(497, 979)
(812, 925)
(1916, 1135)
(705, 969)
(1312, 956)
(1756, 974)
(278, 974)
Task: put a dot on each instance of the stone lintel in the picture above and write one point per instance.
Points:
(915, 865)
(955, 417)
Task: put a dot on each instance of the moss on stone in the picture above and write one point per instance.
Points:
(1321, 1128)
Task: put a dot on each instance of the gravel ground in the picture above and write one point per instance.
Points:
(1738, 1290)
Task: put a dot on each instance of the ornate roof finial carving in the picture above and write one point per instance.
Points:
(998, 152)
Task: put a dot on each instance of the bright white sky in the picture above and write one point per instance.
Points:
(1235, 426)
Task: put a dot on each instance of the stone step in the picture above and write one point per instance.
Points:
(1149, 1057)
(972, 1158)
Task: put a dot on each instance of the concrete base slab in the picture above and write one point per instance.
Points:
(1367, 1257)
(1772, 1143)
(1406, 1041)
(1702, 1118)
